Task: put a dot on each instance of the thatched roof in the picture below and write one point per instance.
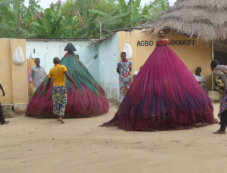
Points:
(205, 19)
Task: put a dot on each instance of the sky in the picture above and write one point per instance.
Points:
(46, 3)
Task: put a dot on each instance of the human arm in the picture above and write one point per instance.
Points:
(118, 68)
(3, 92)
(70, 79)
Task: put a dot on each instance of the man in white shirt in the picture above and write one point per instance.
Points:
(200, 78)
(37, 74)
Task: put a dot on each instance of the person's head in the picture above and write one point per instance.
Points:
(214, 64)
(37, 62)
(56, 60)
(161, 34)
(123, 56)
(198, 71)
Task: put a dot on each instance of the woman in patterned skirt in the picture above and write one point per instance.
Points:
(124, 69)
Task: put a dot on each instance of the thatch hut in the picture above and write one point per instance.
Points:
(198, 34)
(206, 19)
(201, 19)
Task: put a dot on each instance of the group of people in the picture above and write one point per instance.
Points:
(159, 98)
(219, 71)
(59, 92)
(124, 68)
(69, 90)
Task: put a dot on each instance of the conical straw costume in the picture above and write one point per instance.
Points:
(164, 95)
(87, 100)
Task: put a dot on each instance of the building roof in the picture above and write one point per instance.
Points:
(206, 19)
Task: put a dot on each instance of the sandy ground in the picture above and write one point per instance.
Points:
(80, 145)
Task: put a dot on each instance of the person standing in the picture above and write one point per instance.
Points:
(217, 72)
(59, 92)
(220, 71)
(37, 74)
(200, 78)
(2, 119)
(124, 69)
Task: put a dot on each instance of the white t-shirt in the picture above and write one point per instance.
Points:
(200, 79)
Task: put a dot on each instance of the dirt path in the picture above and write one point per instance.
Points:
(79, 145)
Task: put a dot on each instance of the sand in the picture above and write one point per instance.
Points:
(29, 145)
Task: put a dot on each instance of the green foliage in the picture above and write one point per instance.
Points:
(74, 18)
(50, 24)
(11, 18)
(157, 6)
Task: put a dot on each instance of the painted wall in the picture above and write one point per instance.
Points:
(103, 69)
(13, 77)
(47, 50)
(108, 59)
(6, 71)
(143, 44)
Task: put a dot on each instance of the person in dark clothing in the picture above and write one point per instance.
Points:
(223, 123)
(221, 72)
(2, 119)
(223, 108)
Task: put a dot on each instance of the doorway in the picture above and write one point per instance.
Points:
(220, 51)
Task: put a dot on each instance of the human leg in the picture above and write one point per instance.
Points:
(2, 119)
(121, 89)
(59, 102)
(223, 123)
(55, 100)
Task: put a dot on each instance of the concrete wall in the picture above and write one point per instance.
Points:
(108, 59)
(198, 53)
(6, 71)
(13, 77)
(47, 50)
(103, 69)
